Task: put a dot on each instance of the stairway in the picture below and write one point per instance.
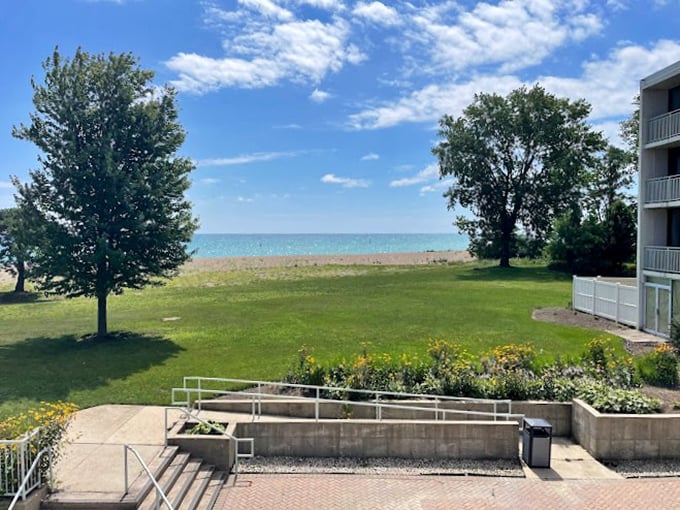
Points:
(188, 483)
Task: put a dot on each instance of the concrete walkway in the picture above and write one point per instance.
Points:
(92, 467)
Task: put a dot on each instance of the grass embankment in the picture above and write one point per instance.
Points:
(250, 324)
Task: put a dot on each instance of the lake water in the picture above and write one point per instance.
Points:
(240, 245)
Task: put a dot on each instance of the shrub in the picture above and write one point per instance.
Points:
(51, 418)
(601, 362)
(307, 370)
(659, 367)
(510, 358)
(205, 429)
(616, 400)
(674, 339)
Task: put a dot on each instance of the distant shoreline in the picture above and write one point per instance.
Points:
(216, 264)
(199, 265)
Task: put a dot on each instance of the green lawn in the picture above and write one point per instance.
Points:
(250, 324)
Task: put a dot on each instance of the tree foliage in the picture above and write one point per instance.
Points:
(629, 129)
(16, 249)
(592, 246)
(517, 161)
(110, 191)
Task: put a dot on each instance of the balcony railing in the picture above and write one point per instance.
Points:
(662, 189)
(662, 258)
(664, 127)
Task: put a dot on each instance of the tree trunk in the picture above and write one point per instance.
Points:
(21, 277)
(506, 240)
(102, 329)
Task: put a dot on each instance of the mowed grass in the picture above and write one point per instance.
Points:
(250, 324)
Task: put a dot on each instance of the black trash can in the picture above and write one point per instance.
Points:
(536, 443)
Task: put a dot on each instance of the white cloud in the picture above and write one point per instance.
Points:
(6, 185)
(319, 96)
(209, 180)
(245, 158)
(514, 34)
(431, 102)
(268, 9)
(378, 13)
(345, 182)
(330, 5)
(261, 51)
(610, 84)
(439, 186)
(371, 156)
(429, 173)
(245, 200)
(289, 126)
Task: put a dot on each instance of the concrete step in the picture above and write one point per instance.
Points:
(198, 488)
(187, 482)
(94, 500)
(207, 502)
(184, 482)
(166, 480)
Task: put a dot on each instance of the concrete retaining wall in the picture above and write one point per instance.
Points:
(626, 436)
(557, 413)
(362, 438)
(215, 450)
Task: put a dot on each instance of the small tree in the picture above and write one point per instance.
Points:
(608, 179)
(517, 161)
(590, 246)
(110, 193)
(16, 234)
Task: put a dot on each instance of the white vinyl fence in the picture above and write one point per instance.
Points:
(606, 299)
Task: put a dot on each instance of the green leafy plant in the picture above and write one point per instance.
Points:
(206, 429)
(52, 418)
(659, 367)
(618, 401)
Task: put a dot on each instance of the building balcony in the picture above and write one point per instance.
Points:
(661, 191)
(663, 129)
(664, 259)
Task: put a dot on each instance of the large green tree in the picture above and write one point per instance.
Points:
(110, 191)
(517, 161)
(16, 250)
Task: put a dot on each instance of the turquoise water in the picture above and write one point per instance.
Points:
(240, 245)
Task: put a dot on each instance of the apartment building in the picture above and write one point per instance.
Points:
(658, 268)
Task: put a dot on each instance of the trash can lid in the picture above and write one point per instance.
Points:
(536, 422)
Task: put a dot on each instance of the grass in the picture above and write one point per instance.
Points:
(250, 324)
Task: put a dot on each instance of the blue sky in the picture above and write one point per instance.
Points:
(319, 115)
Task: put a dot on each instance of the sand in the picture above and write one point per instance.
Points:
(237, 263)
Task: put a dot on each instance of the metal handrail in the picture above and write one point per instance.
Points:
(21, 455)
(222, 431)
(257, 397)
(21, 492)
(159, 491)
(343, 389)
(377, 404)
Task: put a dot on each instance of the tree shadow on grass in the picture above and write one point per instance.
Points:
(496, 273)
(18, 298)
(50, 368)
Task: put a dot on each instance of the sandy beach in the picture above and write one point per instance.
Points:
(237, 263)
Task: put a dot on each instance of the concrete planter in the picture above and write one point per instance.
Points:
(216, 450)
(557, 413)
(387, 438)
(626, 436)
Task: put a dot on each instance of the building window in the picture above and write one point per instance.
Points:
(674, 99)
(674, 161)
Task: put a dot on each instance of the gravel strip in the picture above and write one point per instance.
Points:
(381, 466)
(646, 468)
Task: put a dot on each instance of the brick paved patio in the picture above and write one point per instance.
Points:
(318, 492)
